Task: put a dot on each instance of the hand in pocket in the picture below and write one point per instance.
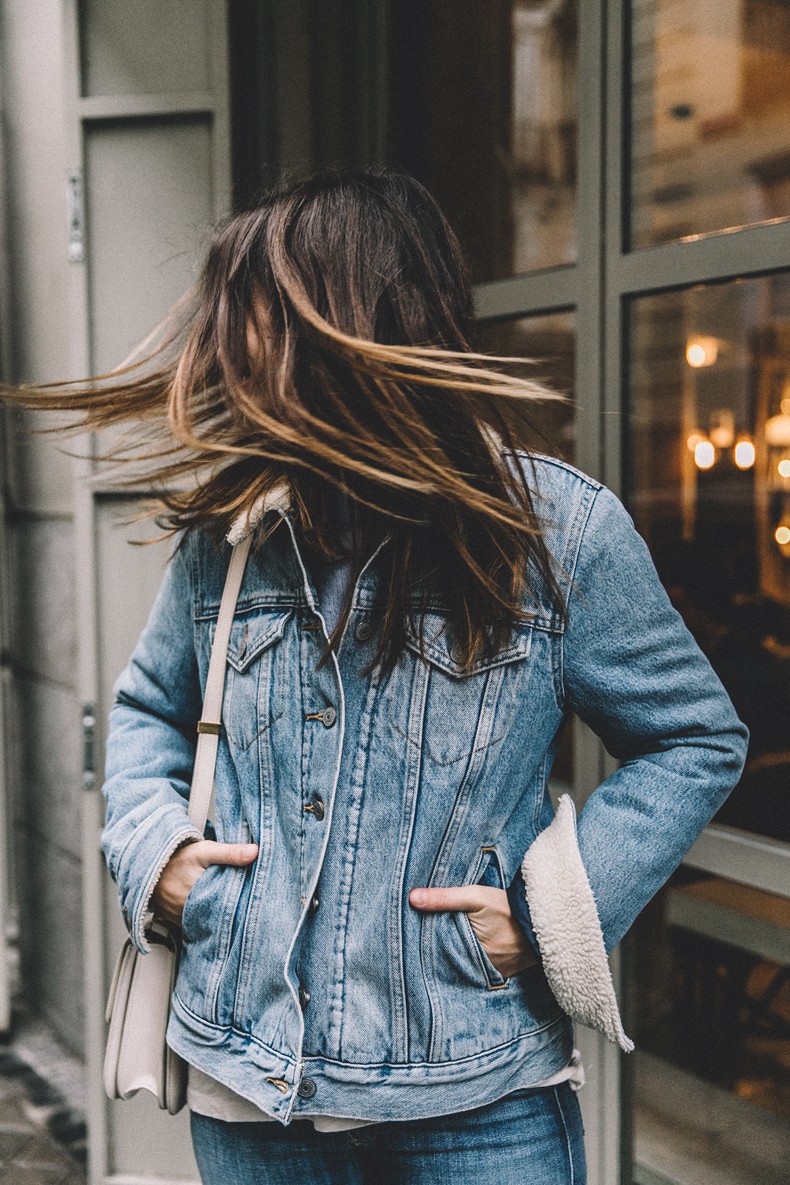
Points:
(488, 910)
(187, 865)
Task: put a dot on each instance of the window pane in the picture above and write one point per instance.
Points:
(712, 1030)
(483, 111)
(710, 105)
(550, 341)
(709, 485)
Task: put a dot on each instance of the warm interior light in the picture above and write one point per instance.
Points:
(744, 453)
(704, 454)
(782, 536)
(701, 351)
(777, 430)
(693, 439)
(722, 428)
(784, 467)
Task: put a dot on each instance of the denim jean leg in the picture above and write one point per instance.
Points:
(270, 1154)
(531, 1137)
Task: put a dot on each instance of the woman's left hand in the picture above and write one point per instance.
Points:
(488, 910)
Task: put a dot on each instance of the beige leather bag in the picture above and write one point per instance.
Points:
(138, 1005)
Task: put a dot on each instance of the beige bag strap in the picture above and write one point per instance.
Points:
(201, 797)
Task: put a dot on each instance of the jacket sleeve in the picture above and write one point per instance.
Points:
(633, 672)
(151, 750)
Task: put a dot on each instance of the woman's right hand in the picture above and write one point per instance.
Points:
(186, 865)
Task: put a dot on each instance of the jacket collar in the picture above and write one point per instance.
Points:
(277, 498)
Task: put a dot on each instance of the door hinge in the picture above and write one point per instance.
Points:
(76, 204)
(88, 746)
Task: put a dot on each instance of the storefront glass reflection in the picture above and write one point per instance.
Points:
(712, 1029)
(709, 488)
(710, 103)
(482, 109)
(708, 485)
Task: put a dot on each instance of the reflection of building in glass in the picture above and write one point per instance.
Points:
(544, 133)
(710, 105)
(711, 489)
(483, 110)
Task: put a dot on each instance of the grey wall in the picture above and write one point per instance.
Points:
(44, 758)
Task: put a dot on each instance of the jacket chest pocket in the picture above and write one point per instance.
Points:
(254, 684)
(451, 714)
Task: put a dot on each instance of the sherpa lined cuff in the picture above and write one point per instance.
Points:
(567, 927)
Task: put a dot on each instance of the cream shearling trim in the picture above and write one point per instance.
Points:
(567, 927)
(277, 498)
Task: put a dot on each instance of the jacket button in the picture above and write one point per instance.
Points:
(314, 902)
(318, 809)
(306, 1088)
(328, 717)
(304, 997)
(363, 632)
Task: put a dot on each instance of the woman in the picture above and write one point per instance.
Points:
(389, 931)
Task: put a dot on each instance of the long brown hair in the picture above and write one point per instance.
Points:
(328, 343)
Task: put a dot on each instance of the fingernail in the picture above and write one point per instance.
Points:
(418, 897)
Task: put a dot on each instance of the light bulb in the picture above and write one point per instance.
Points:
(744, 454)
(704, 454)
(701, 351)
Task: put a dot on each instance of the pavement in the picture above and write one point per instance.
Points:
(42, 1136)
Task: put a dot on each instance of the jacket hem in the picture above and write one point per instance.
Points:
(403, 1091)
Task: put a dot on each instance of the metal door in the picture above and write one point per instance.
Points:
(149, 173)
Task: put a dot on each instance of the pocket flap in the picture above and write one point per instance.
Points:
(441, 648)
(250, 636)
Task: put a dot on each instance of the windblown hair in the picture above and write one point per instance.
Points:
(328, 344)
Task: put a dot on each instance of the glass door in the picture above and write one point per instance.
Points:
(708, 473)
(697, 343)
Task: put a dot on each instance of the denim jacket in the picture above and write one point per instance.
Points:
(306, 978)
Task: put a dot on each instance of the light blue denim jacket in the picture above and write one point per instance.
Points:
(307, 978)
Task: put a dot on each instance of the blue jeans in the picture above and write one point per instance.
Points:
(529, 1137)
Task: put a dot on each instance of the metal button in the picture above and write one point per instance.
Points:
(456, 652)
(306, 1088)
(363, 632)
(304, 997)
(328, 717)
(314, 902)
(318, 809)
